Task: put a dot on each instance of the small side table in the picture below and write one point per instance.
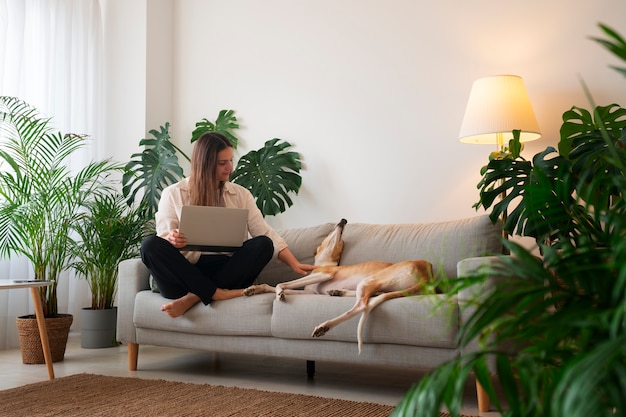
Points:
(9, 284)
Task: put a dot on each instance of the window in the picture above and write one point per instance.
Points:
(50, 57)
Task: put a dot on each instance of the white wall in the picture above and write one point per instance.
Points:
(124, 76)
(370, 93)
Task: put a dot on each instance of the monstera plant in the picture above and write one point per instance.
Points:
(270, 173)
(554, 326)
(150, 171)
(544, 192)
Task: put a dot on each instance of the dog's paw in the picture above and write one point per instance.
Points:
(250, 291)
(320, 331)
(280, 293)
(335, 293)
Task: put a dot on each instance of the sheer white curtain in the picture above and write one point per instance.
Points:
(50, 57)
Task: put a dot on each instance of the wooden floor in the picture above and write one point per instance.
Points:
(374, 384)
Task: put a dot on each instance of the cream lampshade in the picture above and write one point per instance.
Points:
(498, 105)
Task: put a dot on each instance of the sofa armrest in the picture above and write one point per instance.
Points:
(470, 297)
(471, 267)
(133, 277)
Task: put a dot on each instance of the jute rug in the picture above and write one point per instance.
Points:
(96, 395)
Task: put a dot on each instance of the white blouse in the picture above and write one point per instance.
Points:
(175, 196)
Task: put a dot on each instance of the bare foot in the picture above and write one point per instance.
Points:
(179, 307)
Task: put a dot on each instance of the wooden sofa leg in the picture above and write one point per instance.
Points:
(483, 398)
(310, 369)
(133, 353)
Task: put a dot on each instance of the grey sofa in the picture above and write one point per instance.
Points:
(405, 332)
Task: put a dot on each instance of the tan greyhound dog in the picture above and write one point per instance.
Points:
(364, 280)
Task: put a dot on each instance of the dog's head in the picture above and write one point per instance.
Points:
(329, 251)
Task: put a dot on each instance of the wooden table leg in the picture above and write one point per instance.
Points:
(43, 333)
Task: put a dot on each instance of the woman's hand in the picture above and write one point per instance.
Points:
(287, 257)
(176, 239)
(302, 269)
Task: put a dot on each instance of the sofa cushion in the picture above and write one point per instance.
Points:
(444, 244)
(244, 316)
(302, 243)
(417, 320)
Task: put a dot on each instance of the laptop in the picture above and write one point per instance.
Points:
(213, 229)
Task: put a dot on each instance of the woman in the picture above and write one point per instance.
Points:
(191, 277)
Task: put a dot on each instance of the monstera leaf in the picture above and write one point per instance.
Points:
(520, 184)
(270, 174)
(587, 141)
(152, 170)
(225, 123)
(580, 127)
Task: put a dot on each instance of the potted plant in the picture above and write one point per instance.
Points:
(40, 199)
(562, 313)
(109, 232)
(270, 173)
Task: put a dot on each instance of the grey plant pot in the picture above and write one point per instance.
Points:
(98, 328)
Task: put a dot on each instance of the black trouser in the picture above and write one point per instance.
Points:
(176, 276)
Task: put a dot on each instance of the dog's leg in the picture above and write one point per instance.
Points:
(258, 289)
(363, 294)
(376, 301)
(289, 286)
(323, 328)
(390, 279)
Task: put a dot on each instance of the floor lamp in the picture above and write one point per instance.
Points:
(498, 105)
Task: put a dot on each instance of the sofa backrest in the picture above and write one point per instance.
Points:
(302, 242)
(444, 244)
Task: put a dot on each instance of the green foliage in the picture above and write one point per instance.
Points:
(615, 44)
(544, 193)
(581, 129)
(150, 171)
(270, 174)
(225, 123)
(40, 197)
(110, 231)
(554, 327)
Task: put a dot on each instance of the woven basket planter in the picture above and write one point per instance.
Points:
(30, 342)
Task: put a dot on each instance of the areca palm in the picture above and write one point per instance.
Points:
(40, 196)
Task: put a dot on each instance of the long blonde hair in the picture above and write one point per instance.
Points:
(203, 184)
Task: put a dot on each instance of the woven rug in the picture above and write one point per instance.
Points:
(96, 395)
